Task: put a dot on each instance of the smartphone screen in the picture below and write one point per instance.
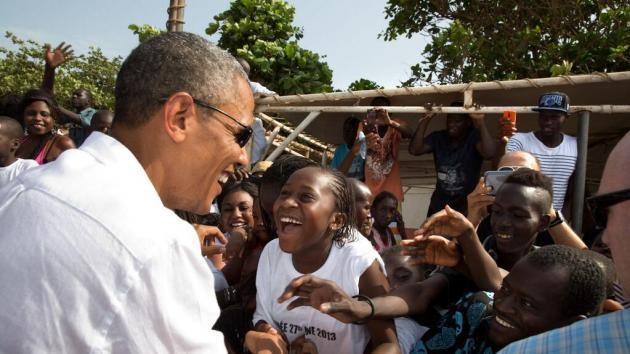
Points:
(370, 122)
(495, 179)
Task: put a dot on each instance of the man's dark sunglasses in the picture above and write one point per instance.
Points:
(599, 204)
(242, 137)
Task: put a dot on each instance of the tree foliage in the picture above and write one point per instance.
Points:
(363, 84)
(145, 31)
(262, 32)
(510, 39)
(22, 68)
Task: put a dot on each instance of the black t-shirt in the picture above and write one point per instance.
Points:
(457, 169)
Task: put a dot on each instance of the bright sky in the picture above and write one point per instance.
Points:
(345, 31)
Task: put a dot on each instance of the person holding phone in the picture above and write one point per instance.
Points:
(348, 158)
(383, 135)
(458, 152)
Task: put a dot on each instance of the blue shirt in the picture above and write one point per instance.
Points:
(602, 334)
(357, 169)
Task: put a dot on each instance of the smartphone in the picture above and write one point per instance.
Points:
(370, 122)
(495, 179)
(508, 121)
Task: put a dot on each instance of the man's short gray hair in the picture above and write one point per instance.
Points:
(170, 63)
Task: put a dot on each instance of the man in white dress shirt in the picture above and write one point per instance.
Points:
(92, 259)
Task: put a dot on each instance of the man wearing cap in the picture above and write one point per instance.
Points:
(556, 151)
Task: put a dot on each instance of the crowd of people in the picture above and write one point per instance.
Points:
(150, 228)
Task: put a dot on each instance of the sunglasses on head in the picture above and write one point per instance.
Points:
(241, 137)
(599, 204)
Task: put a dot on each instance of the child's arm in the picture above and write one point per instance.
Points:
(382, 331)
(483, 269)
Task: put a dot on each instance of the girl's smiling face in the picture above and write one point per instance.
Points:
(237, 211)
(38, 118)
(304, 213)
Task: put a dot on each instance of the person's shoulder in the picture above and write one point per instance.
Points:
(569, 140)
(64, 142)
(26, 163)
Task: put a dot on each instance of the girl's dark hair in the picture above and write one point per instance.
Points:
(344, 204)
(382, 196)
(38, 95)
(235, 186)
(277, 175)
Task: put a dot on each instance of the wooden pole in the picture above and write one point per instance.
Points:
(441, 89)
(175, 12)
(288, 129)
(606, 109)
(311, 117)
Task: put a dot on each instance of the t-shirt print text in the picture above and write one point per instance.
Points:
(290, 328)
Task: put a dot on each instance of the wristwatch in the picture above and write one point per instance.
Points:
(558, 220)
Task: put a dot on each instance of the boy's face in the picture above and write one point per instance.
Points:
(7, 146)
(400, 272)
(517, 217)
(551, 122)
(528, 303)
(363, 204)
(456, 124)
(384, 212)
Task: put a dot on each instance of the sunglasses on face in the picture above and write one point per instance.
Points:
(241, 137)
(599, 204)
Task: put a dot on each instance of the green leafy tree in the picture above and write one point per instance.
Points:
(510, 39)
(262, 32)
(363, 84)
(145, 32)
(22, 68)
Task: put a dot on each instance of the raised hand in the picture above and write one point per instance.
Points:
(478, 200)
(326, 297)
(477, 118)
(382, 116)
(433, 249)
(264, 339)
(447, 222)
(207, 235)
(59, 55)
(302, 345)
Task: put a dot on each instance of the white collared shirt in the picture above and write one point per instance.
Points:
(92, 261)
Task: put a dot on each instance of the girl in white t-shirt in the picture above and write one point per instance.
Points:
(314, 217)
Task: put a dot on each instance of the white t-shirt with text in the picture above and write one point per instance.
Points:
(344, 266)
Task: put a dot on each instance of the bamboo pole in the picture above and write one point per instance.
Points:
(451, 88)
(605, 109)
(288, 129)
(175, 12)
(311, 117)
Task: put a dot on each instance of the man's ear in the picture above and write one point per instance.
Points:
(178, 113)
(15, 144)
(545, 219)
(338, 220)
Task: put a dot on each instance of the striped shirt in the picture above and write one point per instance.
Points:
(557, 163)
(602, 334)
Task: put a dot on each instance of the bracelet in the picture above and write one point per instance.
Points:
(369, 301)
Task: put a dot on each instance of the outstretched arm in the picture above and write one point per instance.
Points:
(417, 145)
(487, 147)
(382, 331)
(482, 268)
(54, 58)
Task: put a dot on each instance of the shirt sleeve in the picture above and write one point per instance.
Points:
(338, 157)
(259, 140)
(514, 144)
(171, 307)
(263, 301)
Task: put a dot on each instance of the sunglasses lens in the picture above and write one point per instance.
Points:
(243, 137)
